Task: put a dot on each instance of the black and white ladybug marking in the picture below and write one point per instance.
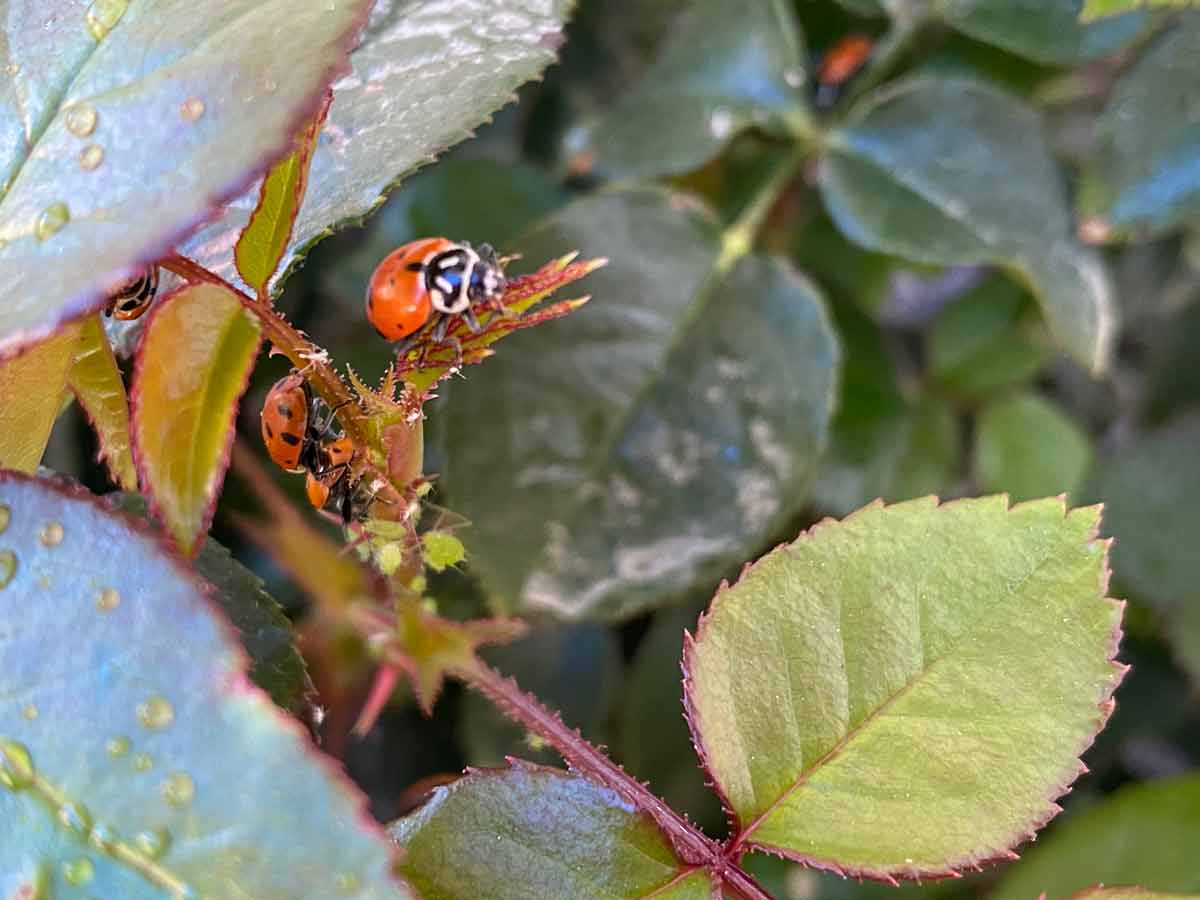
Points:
(134, 297)
(461, 277)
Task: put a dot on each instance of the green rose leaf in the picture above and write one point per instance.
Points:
(725, 67)
(1143, 835)
(125, 126)
(136, 758)
(31, 389)
(640, 474)
(95, 380)
(547, 834)
(924, 664)
(946, 171)
(427, 73)
(193, 364)
(1026, 447)
(1144, 177)
(1099, 9)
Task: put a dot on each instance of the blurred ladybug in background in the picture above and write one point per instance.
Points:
(840, 64)
(133, 298)
(432, 279)
(291, 424)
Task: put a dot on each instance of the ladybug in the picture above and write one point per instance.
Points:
(331, 480)
(291, 424)
(133, 298)
(432, 279)
(843, 61)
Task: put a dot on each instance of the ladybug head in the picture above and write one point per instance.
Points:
(487, 278)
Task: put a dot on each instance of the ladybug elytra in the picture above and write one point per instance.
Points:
(133, 298)
(291, 424)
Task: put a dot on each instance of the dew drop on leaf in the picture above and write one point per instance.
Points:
(16, 765)
(8, 567)
(143, 762)
(30, 712)
(78, 871)
(90, 157)
(347, 882)
(117, 746)
(108, 600)
(76, 818)
(156, 713)
(5, 518)
(50, 221)
(191, 109)
(52, 534)
(81, 119)
(153, 842)
(103, 837)
(179, 789)
(103, 15)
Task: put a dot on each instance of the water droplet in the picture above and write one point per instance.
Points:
(51, 535)
(794, 77)
(50, 221)
(347, 882)
(154, 842)
(16, 765)
(103, 15)
(143, 762)
(720, 123)
(117, 746)
(108, 600)
(191, 109)
(80, 119)
(8, 567)
(78, 871)
(179, 789)
(90, 157)
(155, 713)
(103, 837)
(75, 817)
(5, 516)
(30, 712)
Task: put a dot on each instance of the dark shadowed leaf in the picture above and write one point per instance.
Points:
(136, 759)
(920, 664)
(124, 125)
(1048, 31)
(193, 365)
(547, 834)
(1144, 177)
(428, 72)
(1027, 447)
(95, 380)
(946, 171)
(725, 67)
(1144, 835)
(687, 411)
(31, 390)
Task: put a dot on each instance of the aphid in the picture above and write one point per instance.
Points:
(134, 297)
(432, 279)
(842, 62)
(292, 427)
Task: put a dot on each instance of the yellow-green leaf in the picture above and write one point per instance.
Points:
(1099, 9)
(31, 387)
(195, 358)
(95, 380)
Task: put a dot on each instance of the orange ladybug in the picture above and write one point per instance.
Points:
(432, 279)
(133, 298)
(843, 61)
(291, 424)
(331, 479)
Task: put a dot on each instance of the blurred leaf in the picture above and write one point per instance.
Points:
(1144, 176)
(426, 74)
(95, 380)
(688, 410)
(195, 358)
(574, 669)
(979, 343)
(1049, 31)
(1145, 834)
(1128, 893)
(655, 744)
(914, 663)
(31, 389)
(726, 67)
(261, 244)
(155, 768)
(1098, 9)
(947, 171)
(118, 137)
(1173, 379)
(1028, 448)
(547, 834)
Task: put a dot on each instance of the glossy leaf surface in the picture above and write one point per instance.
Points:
(1143, 835)
(920, 664)
(31, 388)
(194, 361)
(1026, 447)
(947, 171)
(95, 380)
(682, 423)
(144, 762)
(124, 125)
(548, 835)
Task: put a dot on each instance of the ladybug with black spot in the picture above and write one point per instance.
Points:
(332, 480)
(133, 298)
(432, 279)
(292, 426)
